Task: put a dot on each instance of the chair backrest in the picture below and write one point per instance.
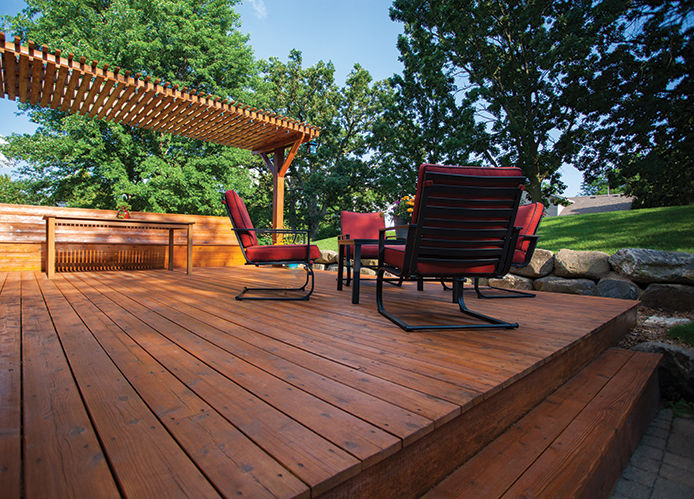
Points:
(463, 221)
(361, 225)
(528, 218)
(236, 209)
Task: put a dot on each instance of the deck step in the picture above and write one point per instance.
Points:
(573, 444)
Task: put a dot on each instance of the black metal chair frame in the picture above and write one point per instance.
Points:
(506, 292)
(308, 266)
(344, 263)
(501, 257)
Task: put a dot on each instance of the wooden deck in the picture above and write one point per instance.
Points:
(153, 383)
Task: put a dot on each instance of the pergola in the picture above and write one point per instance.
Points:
(74, 85)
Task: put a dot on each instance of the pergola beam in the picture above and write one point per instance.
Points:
(73, 86)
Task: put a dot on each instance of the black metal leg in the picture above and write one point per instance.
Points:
(349, 266)
(509, 293)
(309, 278)
(340, 266)
(357, 273)
(490, 322)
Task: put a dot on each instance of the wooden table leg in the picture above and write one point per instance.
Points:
(189, 257)
(171, 248)
(50, 247)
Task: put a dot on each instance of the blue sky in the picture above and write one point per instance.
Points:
(342, 31)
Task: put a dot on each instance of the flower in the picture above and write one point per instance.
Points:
(403, 207)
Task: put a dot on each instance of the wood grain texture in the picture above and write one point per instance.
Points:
(318, 397)
(10, 385)
(23, 240)
(62, 454)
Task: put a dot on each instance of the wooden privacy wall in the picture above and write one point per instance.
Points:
(23, 241)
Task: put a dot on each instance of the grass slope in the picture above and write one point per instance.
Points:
(670, 229)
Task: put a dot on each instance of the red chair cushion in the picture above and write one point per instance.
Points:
(281, 253)
(361, 225)
(240, 219)
(395, 256)
(528, 218)
(369, 251)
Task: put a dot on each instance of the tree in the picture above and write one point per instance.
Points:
(522, 65)
(15, 191)
(645, 131)
(421, 120)
(91, 163)
(337, 177)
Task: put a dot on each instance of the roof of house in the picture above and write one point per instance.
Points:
(599, 203)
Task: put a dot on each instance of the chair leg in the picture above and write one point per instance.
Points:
(510, 293)
(309, 277)
(490, 322)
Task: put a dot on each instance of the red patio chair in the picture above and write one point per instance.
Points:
(528, 219)
(359, 239)
(462, 227)
(277, 254)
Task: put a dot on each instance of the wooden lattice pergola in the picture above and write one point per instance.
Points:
(74, 85)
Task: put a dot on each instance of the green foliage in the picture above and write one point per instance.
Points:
(90, 163)
(421, 119)
(601, 185)
(645, 129)
(337, 177)
(683, 332)
(16, 192)
(521, 65)
(668, 229)
(682, 408)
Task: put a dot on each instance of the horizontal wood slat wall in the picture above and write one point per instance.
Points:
(23, 240)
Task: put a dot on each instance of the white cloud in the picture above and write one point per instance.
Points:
(259, 7)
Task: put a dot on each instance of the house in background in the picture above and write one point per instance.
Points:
(599, 203)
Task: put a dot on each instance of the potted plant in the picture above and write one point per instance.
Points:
(402, 214)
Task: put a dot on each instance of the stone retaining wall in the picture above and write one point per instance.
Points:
(660, 279)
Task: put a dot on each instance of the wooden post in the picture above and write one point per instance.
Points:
(171, 248)
(189, 260)
(278, 193)
(50, 247)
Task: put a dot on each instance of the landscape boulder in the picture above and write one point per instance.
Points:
(647, 266)
(675, 297)
(512, 281)
(590, 264)
(556, 284)
(327, 257)
(676, 369)
(541, 264)
(614, 285)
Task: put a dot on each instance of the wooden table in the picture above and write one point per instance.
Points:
(53, 221)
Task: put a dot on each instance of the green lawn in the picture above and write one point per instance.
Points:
(670, 229)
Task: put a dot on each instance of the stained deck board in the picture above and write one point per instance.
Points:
(494, 470)
(352, 434)
(183, 342)
(313, 459)
(10, 385)
(112, 395)
(402, 423)
(56, 427)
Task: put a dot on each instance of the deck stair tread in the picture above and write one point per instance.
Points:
(574, 443)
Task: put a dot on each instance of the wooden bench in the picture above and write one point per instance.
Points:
(53, 221)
